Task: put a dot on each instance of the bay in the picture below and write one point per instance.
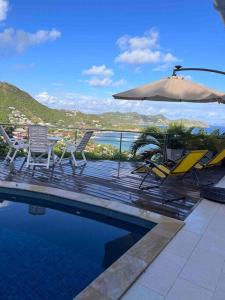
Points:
(125, 140)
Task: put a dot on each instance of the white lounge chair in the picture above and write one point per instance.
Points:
(78, 146)
(39, 146)
(14, 145)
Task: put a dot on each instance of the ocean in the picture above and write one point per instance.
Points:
(113, 138)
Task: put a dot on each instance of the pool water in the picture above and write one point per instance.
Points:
(55, 251)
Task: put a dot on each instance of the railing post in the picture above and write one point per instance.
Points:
(121, 138)
(165, 140)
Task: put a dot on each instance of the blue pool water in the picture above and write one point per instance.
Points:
(53, 251)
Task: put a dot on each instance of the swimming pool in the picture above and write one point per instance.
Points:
(50, 250)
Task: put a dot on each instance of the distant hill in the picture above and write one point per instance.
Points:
(17, 106)
(117, 119)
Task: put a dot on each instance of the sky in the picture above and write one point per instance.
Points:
(76, 54)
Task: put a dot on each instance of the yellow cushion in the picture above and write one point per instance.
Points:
(217, 159)
(189, 161)
(158, 172)
(164, 169)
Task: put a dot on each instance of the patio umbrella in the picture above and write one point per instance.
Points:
(173, 89)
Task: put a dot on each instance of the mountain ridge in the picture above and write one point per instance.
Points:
(17, 107)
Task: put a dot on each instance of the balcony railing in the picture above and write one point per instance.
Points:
(115, 144)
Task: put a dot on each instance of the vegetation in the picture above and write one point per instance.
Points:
(179, 137)
(176, 136)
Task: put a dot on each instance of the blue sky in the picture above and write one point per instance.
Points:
(76, 54)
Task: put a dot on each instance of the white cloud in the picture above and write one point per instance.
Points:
(169, 58)
(101, 70)
(97, 82)
(18, 40)
(47, 99)
(88, 104)
(144, 49)
(105, 82)
(4, 7)
(139, 56)
(101, 77)
(148, 40)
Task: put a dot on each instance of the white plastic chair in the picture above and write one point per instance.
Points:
(14, 145)
(78, 146)
(39, 146)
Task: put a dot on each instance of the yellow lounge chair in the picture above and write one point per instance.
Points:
(186, 164)
(215, 160)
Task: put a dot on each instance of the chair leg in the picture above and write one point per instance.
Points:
(28, 159)
(143, 180)
(49, 158)
(62, 156)
(196, 176)
(84, 157)
(74, 159)
(147, 187)
(13, 157)
(8, 157)
(24, 161)
(157, 186)
(151, 186)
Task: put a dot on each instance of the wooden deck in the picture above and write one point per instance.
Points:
(113, 181)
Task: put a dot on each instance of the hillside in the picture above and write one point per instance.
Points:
(18, 107)
(117, 119)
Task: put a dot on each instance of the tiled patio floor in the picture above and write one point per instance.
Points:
(192, 266)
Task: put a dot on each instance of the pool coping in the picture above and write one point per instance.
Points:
(114, 282)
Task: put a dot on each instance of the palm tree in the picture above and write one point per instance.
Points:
(151, 135)
(179, 137)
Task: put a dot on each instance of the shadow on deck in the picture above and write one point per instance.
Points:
(113, 180)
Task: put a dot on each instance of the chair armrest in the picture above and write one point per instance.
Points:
(18, 140)
(72, 143)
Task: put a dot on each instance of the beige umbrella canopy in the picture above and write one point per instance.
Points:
(173, 89)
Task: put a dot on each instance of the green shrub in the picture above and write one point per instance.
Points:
(180, 137)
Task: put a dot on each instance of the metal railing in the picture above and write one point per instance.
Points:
(105, 143)
(108, 143)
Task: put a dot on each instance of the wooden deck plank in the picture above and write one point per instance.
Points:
(113, 181)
